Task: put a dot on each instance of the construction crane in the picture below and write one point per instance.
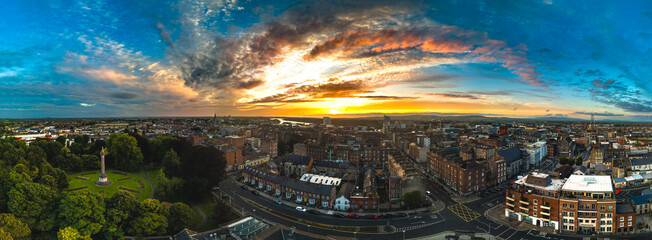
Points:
(309, 167)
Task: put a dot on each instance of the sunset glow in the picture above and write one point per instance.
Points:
(196, 58)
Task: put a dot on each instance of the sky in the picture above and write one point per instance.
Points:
(326, 58)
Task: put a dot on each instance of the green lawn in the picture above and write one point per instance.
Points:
(108, 191)
(152, 174)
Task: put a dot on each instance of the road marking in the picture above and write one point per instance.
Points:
(464, 212)
(512, 234)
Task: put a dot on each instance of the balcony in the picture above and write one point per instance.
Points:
(545, 207)
(511, 204)
(545, 213)
(509, 198)
(525, 202)
(524, 208)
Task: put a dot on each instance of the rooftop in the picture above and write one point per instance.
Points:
(588, 183)
(554, 185)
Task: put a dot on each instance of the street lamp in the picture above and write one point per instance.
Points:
(354, 234)
(403, 234)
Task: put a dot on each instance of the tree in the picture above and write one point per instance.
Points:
(33, 204)
(13, 226)
(35, 155)
(167, 189)
(90, 162)
(70, 233)
(5, 235)
(563, 160)
(171, 163)
(148, 224)
(125, 152)
(412, 199)
(62, 179)
(61, 140)
(179, 217)
(82, 210)
(119, 209)
(579, 161)
(151, 219)
(202, 168)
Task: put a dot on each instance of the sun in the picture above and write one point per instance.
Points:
(334, 111)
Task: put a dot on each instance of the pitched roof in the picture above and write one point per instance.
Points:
(641, 161)
(624, 208)
(510, 154)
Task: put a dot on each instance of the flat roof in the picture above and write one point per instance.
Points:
(588, 183)
(555, 184)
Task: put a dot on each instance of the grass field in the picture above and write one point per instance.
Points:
(108, 191)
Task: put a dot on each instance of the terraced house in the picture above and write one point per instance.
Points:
(581, 203)
(292, 189)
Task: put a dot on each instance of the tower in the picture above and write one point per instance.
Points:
(592, 120)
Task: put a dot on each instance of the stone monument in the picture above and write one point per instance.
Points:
(103, 181)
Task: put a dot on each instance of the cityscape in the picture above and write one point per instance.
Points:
(227, 119)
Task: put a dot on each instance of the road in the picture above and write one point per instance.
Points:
(456, 217)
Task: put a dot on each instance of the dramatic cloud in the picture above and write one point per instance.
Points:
(616, 93)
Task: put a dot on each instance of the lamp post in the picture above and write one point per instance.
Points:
(354, 234)
(403, 234)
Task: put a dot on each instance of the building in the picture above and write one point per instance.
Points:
(327, 121)
(290, 188)
(642, 203)
(512, 157)
(254, 160)
(641, 166)
(535, 199)
(536, 152)
(418, 153)
(365, 198)
(342, 199)
(423, 141)
(396, 175)
(270, 146)
(463, 176)
(235, 141)
(233, 157)
(582, 203)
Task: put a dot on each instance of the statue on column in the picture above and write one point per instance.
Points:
(103, 181)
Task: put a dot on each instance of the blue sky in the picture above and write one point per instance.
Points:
(196, 58)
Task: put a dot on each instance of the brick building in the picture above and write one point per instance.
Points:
(582, 203)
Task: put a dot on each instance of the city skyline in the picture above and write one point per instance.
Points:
(194, 58)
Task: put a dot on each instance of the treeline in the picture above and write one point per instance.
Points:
(34, 203)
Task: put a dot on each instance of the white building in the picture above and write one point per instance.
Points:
(536, 152)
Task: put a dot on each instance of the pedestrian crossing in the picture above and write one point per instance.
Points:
(422, 224)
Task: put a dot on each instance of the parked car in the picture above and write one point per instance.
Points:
(278, 202)
(300, 209)
(617, 192)
(354, 216)
(313, 211)
(339, 215)
(428, 193)
(244, 187)
(370, 216)
(255, 193)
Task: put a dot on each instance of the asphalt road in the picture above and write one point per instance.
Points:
(416, 225)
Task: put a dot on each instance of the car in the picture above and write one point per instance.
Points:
(255, 193)
(354, 216)
(278, 202)
(244, 187)
(370, 216)
(313, 211)
(300, 209)
(401, 214)
(617, 192)
(339, 215)
(428, 193)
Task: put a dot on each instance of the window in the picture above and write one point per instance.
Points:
(611, 207)
(622, 224)
(629, 224)
(622, 219)
(608, 229)
(602, 208)
(629, 218)
(602, 215)
(536, 201)
(564, 205)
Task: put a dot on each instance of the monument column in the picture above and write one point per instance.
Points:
(103, 181)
